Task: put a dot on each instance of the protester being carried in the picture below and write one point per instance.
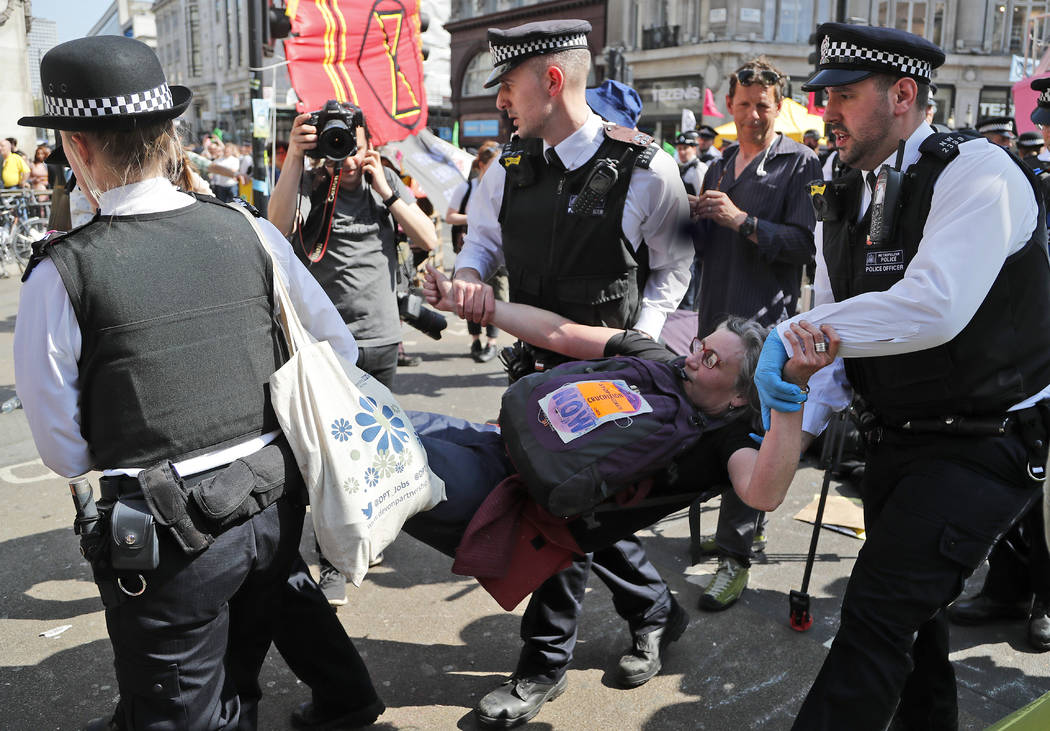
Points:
(716, 377)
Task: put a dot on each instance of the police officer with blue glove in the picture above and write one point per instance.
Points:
(938, 283)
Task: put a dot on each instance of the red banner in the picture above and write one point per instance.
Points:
(367, 52)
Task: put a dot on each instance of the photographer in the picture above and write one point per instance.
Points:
(349, 245)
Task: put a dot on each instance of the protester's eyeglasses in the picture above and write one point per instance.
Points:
(708, 357)
(747, 77)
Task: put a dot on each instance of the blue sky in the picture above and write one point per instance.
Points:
(74, 18)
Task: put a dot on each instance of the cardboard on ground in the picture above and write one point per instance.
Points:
(841, 514)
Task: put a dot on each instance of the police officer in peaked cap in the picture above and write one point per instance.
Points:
(587, 217)
(953, 377)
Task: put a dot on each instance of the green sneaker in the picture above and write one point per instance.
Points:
(727, 585)
(707, 546)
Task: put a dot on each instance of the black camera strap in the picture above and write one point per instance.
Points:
(327, 215)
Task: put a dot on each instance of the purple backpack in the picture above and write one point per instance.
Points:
(584, 430)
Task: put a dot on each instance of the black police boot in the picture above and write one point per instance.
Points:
(643, 661)
(314, 716)
(982, 609)
(518, 700)
(1039, 625)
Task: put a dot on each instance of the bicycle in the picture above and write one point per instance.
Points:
(19, 230)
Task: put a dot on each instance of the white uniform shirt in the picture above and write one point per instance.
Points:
(47, 341)
(982, 211)
(694, 175)
(654, 212)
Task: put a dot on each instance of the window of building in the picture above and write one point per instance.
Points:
(944, 99)
(1008, 25)
(922, 17)
(474, 77)
(193, 38)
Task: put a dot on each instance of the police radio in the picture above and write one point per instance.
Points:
(602, 178)
(885, 199)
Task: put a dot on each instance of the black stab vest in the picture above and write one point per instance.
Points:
(1000, 358)
(578, 264)
(683, 169)
(178, 338)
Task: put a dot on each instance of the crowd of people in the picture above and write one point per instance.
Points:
(580, 238)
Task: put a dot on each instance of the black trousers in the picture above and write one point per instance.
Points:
(737, 524)
(1019, 565)
(313, 642)
(188, 650)
(548, 627)
(934, 506)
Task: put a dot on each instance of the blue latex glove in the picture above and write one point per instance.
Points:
(756, 438)
(773, 391)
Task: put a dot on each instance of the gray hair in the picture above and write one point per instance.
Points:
(753, 336)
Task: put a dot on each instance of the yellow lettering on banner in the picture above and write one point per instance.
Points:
(604, 398)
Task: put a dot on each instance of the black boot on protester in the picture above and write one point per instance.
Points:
(317, 717)
(982, 609)
(643, 661)
(517, 701)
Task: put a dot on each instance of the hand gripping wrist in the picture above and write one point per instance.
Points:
(773, 391)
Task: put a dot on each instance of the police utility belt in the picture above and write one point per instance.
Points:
(1030, 425)
(193, 510)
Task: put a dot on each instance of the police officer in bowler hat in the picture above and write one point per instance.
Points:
(144, 343)
(568, 209)
(944, 314)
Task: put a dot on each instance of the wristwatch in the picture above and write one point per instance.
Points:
(391, 200)
(748, 226)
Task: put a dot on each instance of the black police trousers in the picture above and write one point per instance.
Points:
(188, 649)
(934, 506)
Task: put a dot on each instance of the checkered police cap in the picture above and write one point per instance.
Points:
(105, 82)
(850, 53)
(511, 47)
(997, 125)
(1041, 113)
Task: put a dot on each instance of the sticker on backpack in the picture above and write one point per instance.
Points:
(578, 408)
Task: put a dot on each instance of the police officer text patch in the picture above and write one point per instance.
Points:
(884, 262)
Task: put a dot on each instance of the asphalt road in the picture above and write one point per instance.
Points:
(435, 642)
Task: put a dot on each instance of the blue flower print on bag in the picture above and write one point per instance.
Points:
(341, 429)
(382, 423)
(372, 476)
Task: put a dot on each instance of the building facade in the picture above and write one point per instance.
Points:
(474, 107)
(16, 99)
(676, 49)
(203, 44)
(42, 37)
(131, 18)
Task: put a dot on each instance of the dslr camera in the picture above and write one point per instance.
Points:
(336, 125)
(415, 313)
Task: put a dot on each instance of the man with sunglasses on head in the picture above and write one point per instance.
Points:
(754, 235)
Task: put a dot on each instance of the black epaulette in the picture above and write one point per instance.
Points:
(944, 145)
(247, 206)
(40, 248)
(635, 139)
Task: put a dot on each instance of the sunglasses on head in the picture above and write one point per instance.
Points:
(747, 77)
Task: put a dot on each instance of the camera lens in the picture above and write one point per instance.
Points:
(337, 141)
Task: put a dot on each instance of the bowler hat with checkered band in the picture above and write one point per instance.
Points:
(1041, 113)
(1029, 140)
(105, 82)
(511, 47)
(850, 53)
